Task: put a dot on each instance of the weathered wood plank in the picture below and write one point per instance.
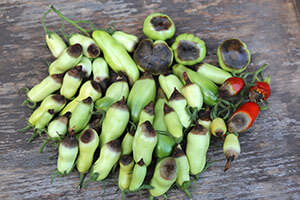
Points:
(269, 165)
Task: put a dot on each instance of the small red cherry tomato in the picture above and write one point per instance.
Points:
(261, 91)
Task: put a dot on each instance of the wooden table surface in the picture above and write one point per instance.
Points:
(269, 165)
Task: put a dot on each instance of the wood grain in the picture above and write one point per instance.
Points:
(269, 166)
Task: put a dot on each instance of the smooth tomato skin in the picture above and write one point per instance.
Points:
(251, 109)
(236, 83)
(232, 86)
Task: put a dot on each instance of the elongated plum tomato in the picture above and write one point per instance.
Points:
(231, 87)
(233, 55)
(243, 117)
(261, 91)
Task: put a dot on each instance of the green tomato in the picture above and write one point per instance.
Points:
(189, 49)
(233, 55)
(159, 26)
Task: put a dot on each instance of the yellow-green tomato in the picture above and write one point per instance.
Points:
(109, 155)
(159, 26)
(88, 143)
(138, 175)
(67, 153)
(55, 44)
(54, 101)
(46, 87)
(164, 176)
(115, 122)
(197, 145)
(125, 173)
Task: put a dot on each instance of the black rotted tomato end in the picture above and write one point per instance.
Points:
(149, 108)
(168, 168)
(233, 55)
(176, 95)
(155, 58)
(141, 162)
(88, 100)
(126, 160)
(161, 23)
(114, 145)
(121, 105)
(148, 129)
(238, 122)
(177, 151)
(70, 141)
(60, 99)
(199, 130)
(96, 86)
(87, 136)
(167, 109)
(76, 72)
(58, 77)
(189, 49)
(93, 51)
(75, 50)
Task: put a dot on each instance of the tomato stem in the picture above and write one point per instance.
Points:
(74, 23)
(43, 22)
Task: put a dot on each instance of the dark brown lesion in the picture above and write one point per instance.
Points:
(153, 58)
(95, 122)
(59, 98)
(219, 132)
(132, 132)
(149, 108)
(96, 86)
(70, 141)
(148, 129)
(93, 51)
(161, 58)
(126, 160)
(121, 105)
(65, 118)
(187, 50)
(143, 52)
(168, 169)
(51, 111)
(87, 136)
(205, 115)
(161, 23)
(58, 77)
(176, 95)
(141, 162)
(177, 151)
(199, 130)
(226, 90)
(75, 50)
(256, 96)
(167, 109)
(114, 145)
(186, 79)
(160, 94)
(234, 54)
(76, 72)
(238, 122)
(88, 100)
(146, 75)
